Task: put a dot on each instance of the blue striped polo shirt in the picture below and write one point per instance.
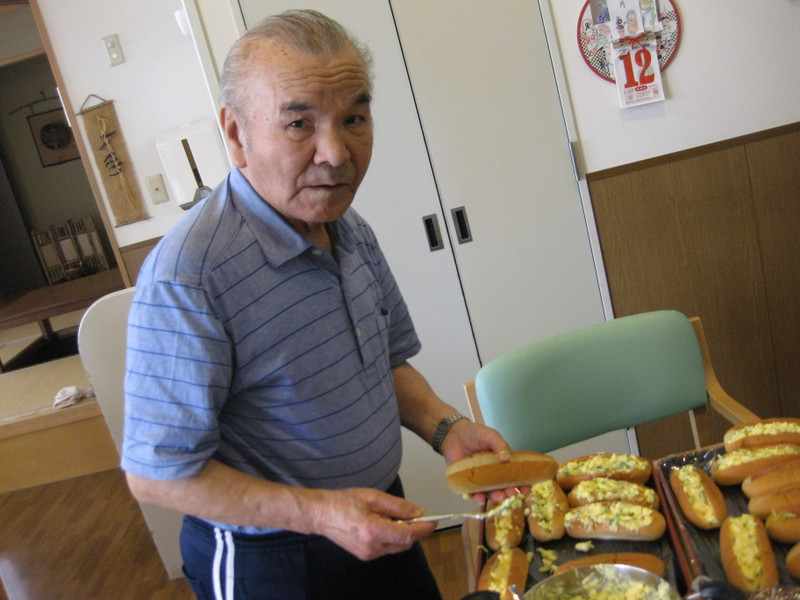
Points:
(252, 346)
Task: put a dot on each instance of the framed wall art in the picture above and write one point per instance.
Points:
(53, 137)
(597, 28)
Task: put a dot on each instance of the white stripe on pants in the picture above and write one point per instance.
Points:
(226, 549)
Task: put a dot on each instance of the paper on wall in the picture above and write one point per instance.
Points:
(638, 74)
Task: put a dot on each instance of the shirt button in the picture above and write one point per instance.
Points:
(317, 252)
(358, 331)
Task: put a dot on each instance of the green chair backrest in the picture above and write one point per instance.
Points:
(593, 380)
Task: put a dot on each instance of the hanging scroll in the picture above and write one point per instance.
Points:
(111, 157)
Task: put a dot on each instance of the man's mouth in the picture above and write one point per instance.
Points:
(327, 186)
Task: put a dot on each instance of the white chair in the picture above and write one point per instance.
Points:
(101, 344)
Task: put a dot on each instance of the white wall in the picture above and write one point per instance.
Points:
(159, 87)
(736, 72)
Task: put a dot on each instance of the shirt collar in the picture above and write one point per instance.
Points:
(279, 240)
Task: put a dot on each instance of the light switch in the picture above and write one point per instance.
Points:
(115, 55)
(158, 193)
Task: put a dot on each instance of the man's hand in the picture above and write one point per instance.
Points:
(363, 521)
(466, 438)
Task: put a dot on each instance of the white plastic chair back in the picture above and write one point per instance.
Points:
(101, 343)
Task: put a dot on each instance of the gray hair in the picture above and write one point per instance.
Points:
(308, 31)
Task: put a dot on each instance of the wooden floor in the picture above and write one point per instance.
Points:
(85, 538)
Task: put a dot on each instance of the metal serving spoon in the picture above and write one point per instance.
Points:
(504, 506)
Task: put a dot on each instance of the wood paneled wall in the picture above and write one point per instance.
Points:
(713, 232)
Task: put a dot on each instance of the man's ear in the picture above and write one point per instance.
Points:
(234, 134)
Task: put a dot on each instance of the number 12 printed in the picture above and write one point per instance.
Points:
(637, 71)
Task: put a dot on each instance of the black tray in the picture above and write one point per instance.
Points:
(565, 549)
(698, 549)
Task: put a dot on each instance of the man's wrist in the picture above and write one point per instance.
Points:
(443, 428)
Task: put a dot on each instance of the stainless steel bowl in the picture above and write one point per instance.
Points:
(573, 583)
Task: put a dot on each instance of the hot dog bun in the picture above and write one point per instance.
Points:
(767, 432)
(614, 466)
(785, 501)
(747, 556)
(506, 529)
(784, 526)
(734, 467)
(643, 560)
(506, 567)
(604, 489)
(545, 506)
(701, 501)
(793, 561)
(773, 479)
(483, 471)
(615, 521)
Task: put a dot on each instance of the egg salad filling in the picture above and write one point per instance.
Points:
(616, 515)
(602, 489)
(540, 502)
(773, 428)
(549, 558)
(604, 583)
(499, 577)
(503, 522)
(745, 548)
(782, 516)
(603, 464)
(743, 455)
(693, 487)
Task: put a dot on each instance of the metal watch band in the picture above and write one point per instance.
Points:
(441, 430)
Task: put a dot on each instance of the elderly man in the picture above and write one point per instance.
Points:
(268, 344)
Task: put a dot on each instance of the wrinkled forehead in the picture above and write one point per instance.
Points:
(280, 70)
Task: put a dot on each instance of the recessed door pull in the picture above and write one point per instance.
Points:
(435, 240)
(463, 233)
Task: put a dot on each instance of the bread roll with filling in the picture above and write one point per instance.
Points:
(767, 432)
(784, 526)
(604, 489)
(747, 556)
(732, 468)
(545, 507)
(506, 529)
(614, 466)
(506, 567)
(615, 521)
(701, 501)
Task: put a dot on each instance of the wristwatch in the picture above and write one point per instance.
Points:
(441, 430)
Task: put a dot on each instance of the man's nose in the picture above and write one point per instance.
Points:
(331, 147)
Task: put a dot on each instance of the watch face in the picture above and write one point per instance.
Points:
(55, 136)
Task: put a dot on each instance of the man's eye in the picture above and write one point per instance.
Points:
(299, 124)
(355, 120)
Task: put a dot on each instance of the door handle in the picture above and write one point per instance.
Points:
(461, 224)
(432, 231)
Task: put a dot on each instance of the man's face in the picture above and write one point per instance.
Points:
(305, 140)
